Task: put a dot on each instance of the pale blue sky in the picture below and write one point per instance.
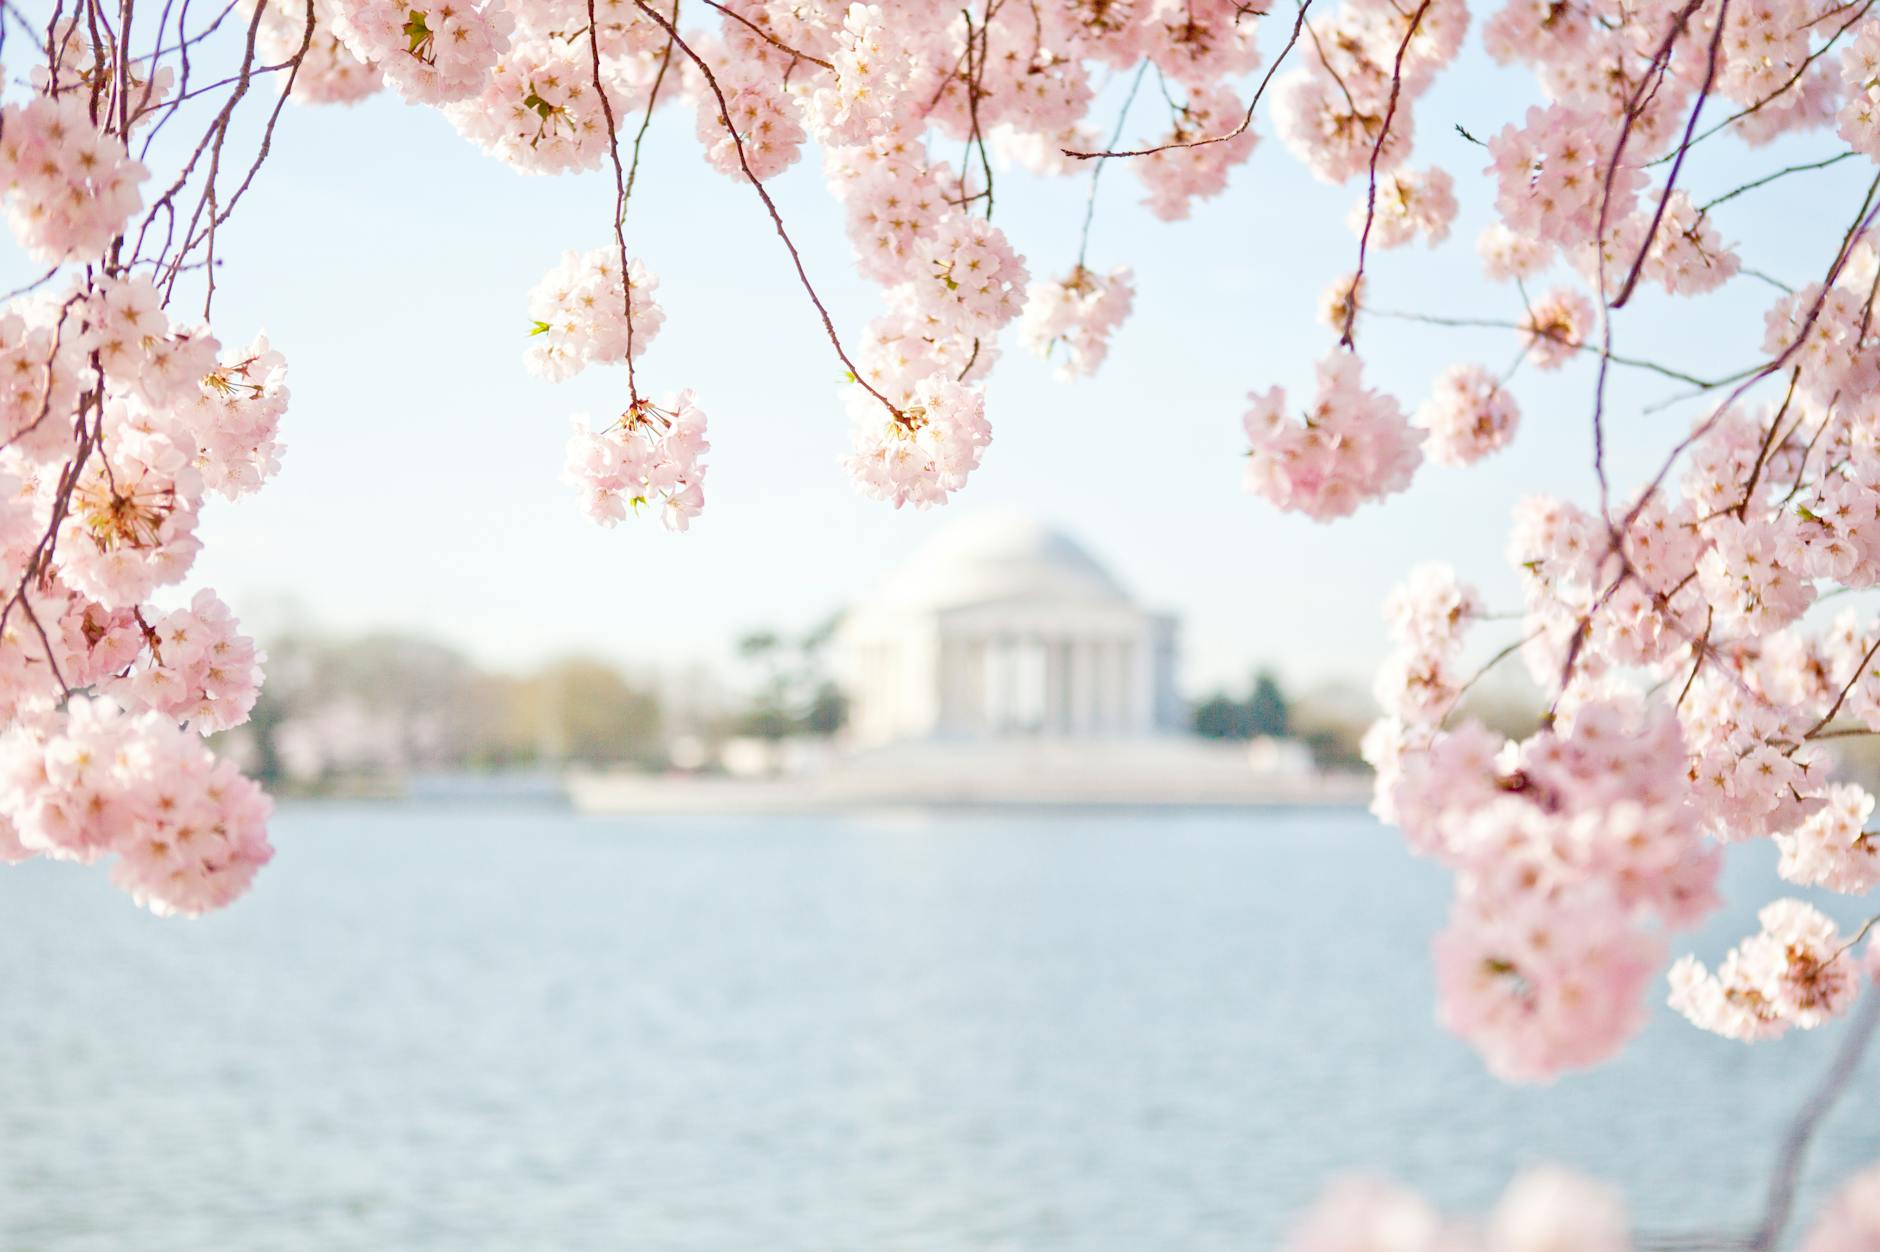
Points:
(390, 260)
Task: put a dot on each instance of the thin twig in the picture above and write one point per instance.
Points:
(770, 205)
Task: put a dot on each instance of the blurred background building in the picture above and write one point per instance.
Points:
(1004, 627)
(1001, 661)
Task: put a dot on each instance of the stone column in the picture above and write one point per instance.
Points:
(1142, 681)
(1056, 686)
(973, 686)
(1102, 700)
(1004, 684)
(1082, 686)
(1127, 687)
(950, 683)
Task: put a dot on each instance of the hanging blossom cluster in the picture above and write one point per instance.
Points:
(1691, 697)
(924, 451)
(1469, 415)
(123, 418)
(1694, 708)
(185, 832)
(649, 458)
(1354, 444)
(555, 86)
(1079, 314)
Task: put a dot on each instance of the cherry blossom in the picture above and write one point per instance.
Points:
(437, 52)
(67, 187)
(1833, 848)
(1556, 326)
(188, 831)
(1508, 255)
(769, 132)
(327, 73)
(538, 110)
(967, 280)
(1353, 445)
(649, 458)
(923, 452)
(580, 313)
(1794, 973)
(1546, 1208)
(1079, 312)
(235, 420)
(198, 669)
(1469, 415)
(1407, 205)
(1180, 175)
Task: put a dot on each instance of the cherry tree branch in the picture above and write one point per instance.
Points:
(1096, 171)
(1370, 195)
(770, 205)
(1245, 123)
(620, 190)
(767, 37)
(1766, 179)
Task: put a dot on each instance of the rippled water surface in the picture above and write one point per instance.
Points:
(465, 1030)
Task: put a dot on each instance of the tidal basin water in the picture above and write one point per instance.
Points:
(486, 1029)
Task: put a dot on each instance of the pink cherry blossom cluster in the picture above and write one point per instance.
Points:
(1797, 971)
(1181, 174)
(187, 830)
(328, 72)
(1573, 851)
(235, 417)
(922, 453)
(1675, 635)
(431, 53)
(197, 668)
(967, 282)
(1687, 255)
(769, 134)
(120, 418)
(1079, 312)
(1556, 326)
(1352, 445)
(1406, 205)
(1545, 1208)
(581, 316)
(1429, 618)
(68, 186)
(537, 110)
(649, 458)
(1469, 415)
(1350, 109)
(1833, 848)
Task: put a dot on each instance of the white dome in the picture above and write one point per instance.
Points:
(1000, 556)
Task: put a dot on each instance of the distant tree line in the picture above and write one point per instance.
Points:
(392, 703)
(794, 692)
(1330, 720)
(345, 711)
(1264, 713)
